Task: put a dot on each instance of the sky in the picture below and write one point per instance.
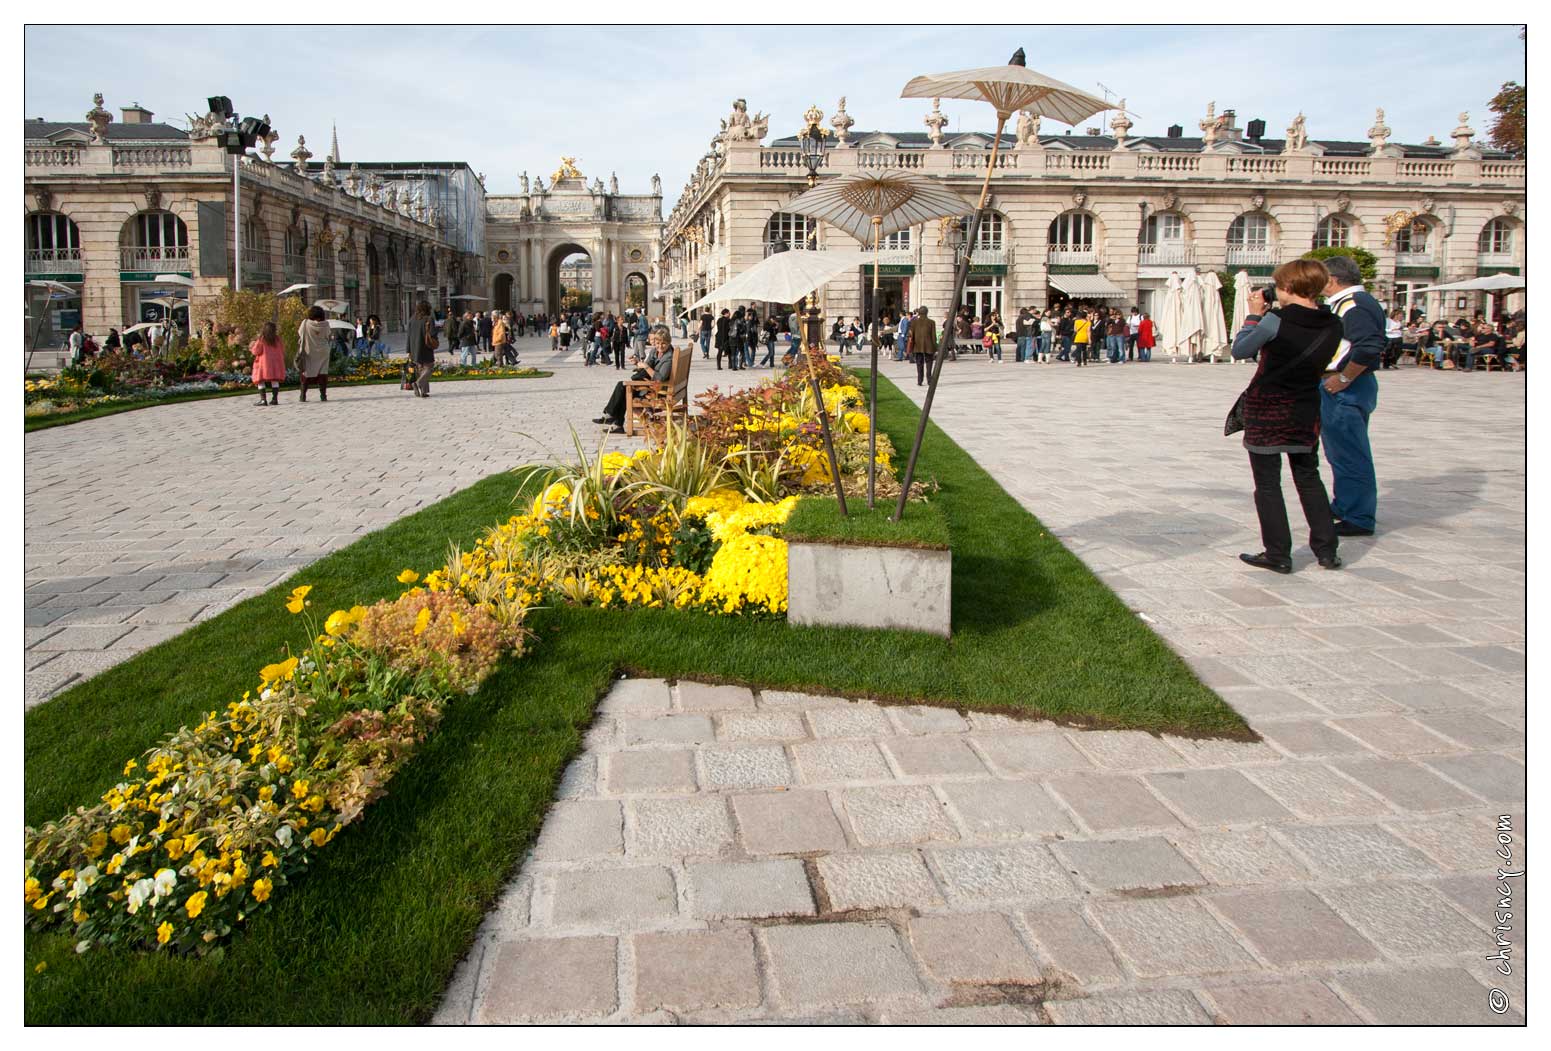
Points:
(514, 100)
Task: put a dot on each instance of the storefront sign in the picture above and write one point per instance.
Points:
(68, 279)
(996, 268)
(148, 276)
(1071, 268)
(1488, 271)
(1416, 271)
(890, 270)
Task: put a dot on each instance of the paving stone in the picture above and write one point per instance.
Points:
(1471, 731)
(549, 979)
(1495, 778)
(582, 828)
(853, 720)
(1078, 953)
(749, 889)
(1314, 791)
(999, 1014)
(612, 898)
(1170, 936)
(144, 636)
(1023, 875)
(1126, 750)
(887, 880)
(1456, 841)
(897, 816)
(580, 780)
(1432, 696)
(43, 684)
(695, 970)
(788, 699)
(1216, 797)
(1291, 926)
(1283, 1003)
(1356, 852)
(668, 729)
(1407, 785)
(1240, 856)
(1403, 919)
(822, 762)
(650, 770)
(637, 697)
(1006, 810)
(787, 823)
(78, 638)
(1441, 996)
(1169, 1007)
(838, 963)
(762, 726)
(744, 766)
(1217, 752)
(1306, 738)
(973, 947)
(933, 756)
(700, 697)
(1111, 803)
(678, 828)
(924, 719)
(1030, 753)
(1393, 735)
(1149, 863)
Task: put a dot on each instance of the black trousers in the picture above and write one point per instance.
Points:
(923, 367)
(1275, 533)
(1080, 351)
(615, 409)
(619, 355)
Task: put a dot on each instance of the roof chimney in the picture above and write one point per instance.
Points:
(1176, 132)
(137, 114)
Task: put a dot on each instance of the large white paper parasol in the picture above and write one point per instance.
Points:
(1241, 291)
(784, 277)
(1190, 316)
(1491, 283)
(333, 306)
(1171, 316)
(1214, 334)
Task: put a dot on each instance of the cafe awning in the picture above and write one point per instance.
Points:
(1087, 286)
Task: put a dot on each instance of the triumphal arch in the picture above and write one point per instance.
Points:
(529, 234)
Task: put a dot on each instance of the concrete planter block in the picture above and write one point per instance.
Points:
(870, 587)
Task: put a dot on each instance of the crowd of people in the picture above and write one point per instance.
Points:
(1463, 344)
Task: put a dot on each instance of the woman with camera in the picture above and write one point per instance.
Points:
(1279, 411)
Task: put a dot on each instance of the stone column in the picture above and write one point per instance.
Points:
(616, 274)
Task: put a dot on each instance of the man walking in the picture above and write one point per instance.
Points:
(1348, 395)
(921, 342)
(724, 339)
(707, 322)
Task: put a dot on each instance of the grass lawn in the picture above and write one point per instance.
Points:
(374, 934)
(91, 412)
(818, 520)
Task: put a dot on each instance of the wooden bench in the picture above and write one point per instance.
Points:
(647, 398)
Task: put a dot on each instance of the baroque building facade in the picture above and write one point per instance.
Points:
(532, 233)
(1110, 217)
(113, 208)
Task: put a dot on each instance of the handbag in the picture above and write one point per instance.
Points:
(1235, 420)
(431, 342)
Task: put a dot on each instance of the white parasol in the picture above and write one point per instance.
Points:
(1214, 335)
(875, 205)
(1171, 317)
(1190, 317)
(784, 277)
(1491, 283)
(1241, 291)
(336, 323)
(333, 306)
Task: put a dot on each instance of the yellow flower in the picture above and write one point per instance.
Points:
(269, 861)
(337, 622)
(284, 764)
(129, 766)
(458, 624)
(299, 789)
(120, 834)
(164, 933)
(409, 576)
(261, 889)
(286, 669)
(318, 837)
(298, 600)
(423, 621)
(33, 889)
(267, 793)
(195, 904)
(314, 804)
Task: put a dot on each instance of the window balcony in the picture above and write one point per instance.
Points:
(1415, 259)
(987, 256)
(255, 265)
(1073, 255)
(295, 266)
(154, 259)
(53, 261)
(1167, 253)
(1486, 259)
(1251, 255)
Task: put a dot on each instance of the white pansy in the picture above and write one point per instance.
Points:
(283, 836)
(166, 879)
(138, 894)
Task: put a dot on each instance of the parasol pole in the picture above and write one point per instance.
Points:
(872, 402)
(946, 344)
(829, 442)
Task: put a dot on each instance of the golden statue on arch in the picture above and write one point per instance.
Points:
(567, 170)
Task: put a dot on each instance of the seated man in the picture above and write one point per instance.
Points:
(660, 358)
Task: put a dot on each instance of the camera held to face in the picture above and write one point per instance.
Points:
(1269, 294)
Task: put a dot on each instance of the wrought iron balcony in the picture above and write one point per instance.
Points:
(53, 260)
(1167, 253)
(1252, 255)
(154, 259)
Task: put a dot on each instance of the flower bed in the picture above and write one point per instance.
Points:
(220, 817)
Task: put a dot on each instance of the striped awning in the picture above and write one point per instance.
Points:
(1087, 286)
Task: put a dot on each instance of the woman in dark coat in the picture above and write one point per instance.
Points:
(1296, 342)
(418, 343)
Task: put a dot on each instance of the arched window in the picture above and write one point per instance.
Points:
(52, 241)
(791, 229)
(157, 242)
(1072, 232)
(1165, 241)
(1250, 231)
(1413, 239)
(1332, 232)
(993, 232)
(1497, 238)
(896, 242)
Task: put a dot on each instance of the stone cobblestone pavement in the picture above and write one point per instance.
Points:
(721, 854)
(141, 524)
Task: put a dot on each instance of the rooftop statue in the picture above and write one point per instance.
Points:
(567, 170)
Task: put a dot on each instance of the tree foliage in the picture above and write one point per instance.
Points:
(239, 316)
(1509, 126)
(1367, 262)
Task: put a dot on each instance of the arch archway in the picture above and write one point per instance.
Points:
(568, 278)
(501, 292)
(635, 291)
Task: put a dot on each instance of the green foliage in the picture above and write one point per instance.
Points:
(240, 316)
(1510, 127)
(1367, 262)
(693, 546)
(818, 519)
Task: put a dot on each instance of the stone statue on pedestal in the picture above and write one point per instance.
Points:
(1378, 135)
(1120, 125)
(613, 183)
(935, 121)
(301, 155)
(656, 185)
(1211, 125)
(524, 181)
(1297, 136)
(269, 140)
(353, 180)
(1028, 128)
(99, 118)
(1461, 134)
(842, 122)
(740, 126)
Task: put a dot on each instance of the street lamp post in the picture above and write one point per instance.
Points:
(237, 138)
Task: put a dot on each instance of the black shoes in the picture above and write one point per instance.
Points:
(603, 419)
(1333, 562)
(1264, 561)
(1348, 529)
(617, 429)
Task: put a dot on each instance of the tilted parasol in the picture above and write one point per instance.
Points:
(876, 205)
(784, 277)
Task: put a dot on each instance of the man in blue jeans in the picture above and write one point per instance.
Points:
(706, 322)
(1348, 395)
